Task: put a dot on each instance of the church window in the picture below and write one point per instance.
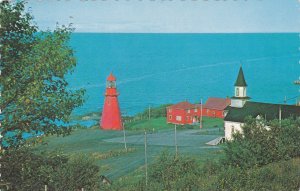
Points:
(237, 92)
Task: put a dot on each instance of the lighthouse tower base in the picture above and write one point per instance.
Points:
(111, 117)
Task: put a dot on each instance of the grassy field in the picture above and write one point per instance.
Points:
(107, 147)
(160, 124)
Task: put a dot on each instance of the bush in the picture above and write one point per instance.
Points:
(262, 143)
(169, 172)
(25, 170)
(279, 176)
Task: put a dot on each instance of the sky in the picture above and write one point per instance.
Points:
(169, 16)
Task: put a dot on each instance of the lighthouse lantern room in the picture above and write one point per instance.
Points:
(111, 116)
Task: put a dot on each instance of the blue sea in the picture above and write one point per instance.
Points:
(155, 69)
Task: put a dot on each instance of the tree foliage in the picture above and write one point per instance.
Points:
(277, 176)
(155, 112)
(169, 172)
(25, 170)
(35, 97)
(264, 142)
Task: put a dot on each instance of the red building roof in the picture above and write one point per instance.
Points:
(182, 105)
(217, 103)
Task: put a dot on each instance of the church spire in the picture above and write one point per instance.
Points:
(240, 81)
(240, 94)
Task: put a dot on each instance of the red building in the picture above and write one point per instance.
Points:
(182, 113)
(187, 113)
(111, 115)
(214, 107)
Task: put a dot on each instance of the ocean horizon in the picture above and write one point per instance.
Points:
(160, 68)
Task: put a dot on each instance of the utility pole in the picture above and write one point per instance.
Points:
(149, 112)
(297, 83)
(146, 162)
(201, 114)
(175, 138)
(124, 133)
(285, 100)
(280, 115)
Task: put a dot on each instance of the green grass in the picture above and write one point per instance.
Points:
(212, 122)
(150, 125)
(161, 124)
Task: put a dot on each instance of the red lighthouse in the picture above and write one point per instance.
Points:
(111, 115)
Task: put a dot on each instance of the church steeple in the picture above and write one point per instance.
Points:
(240, 90)
(240, 81)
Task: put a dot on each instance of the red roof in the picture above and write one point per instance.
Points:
(217, 103)
(111, 77)
(182, 105)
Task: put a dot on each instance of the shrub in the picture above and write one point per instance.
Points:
(169, 172)
(259, 145)
(25, 170)
(279, 176)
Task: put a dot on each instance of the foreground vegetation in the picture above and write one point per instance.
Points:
(24, 170)
(183, 173)
(28, 171)
(260, 159)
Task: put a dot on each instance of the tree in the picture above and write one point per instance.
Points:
(264, 142)
(35, 98)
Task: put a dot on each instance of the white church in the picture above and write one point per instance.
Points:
(241, 107)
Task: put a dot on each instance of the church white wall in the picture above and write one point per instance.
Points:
(232, 127)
